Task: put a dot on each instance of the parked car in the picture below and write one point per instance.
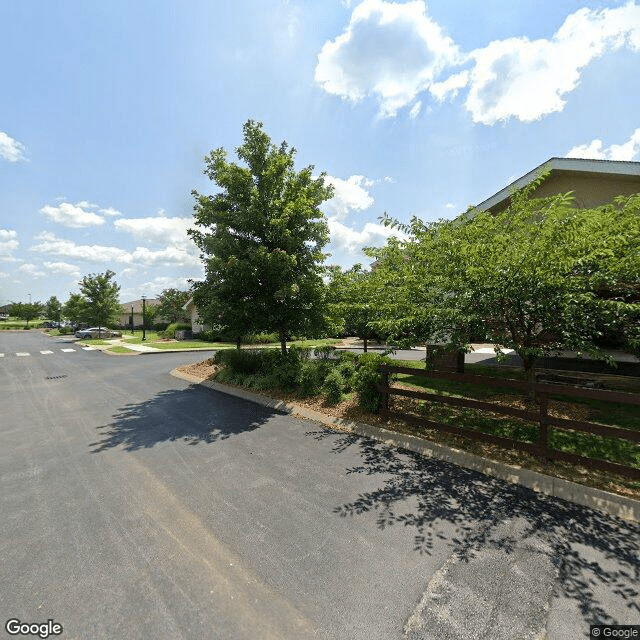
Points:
(94, 332)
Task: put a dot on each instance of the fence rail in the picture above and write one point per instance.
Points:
(541, 447)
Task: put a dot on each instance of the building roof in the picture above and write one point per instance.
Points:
(137, 304)
(574, 165)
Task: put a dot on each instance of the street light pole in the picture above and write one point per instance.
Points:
(144, 334)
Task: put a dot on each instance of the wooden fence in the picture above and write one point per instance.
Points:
(542, 390)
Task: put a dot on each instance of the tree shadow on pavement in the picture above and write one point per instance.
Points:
(592, 551)
(193, 415)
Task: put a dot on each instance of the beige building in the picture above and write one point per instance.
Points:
(125, 317)
(593, 182)
(196, 323)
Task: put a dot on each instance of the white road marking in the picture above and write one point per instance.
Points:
(67, 350)
(89, 348)
(1, 355)
(22, 353)
(46, 353)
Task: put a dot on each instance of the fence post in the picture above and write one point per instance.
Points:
(543, 433)
(385, 394)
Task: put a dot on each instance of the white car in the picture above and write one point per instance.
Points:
(94, 332)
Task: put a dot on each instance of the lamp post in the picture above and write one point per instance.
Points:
(144, 335)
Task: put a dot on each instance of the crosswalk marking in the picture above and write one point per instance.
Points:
(22, 353)
(45, 353)
(67, 350)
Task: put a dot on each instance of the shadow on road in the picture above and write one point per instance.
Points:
(194, 415)
(593, 552)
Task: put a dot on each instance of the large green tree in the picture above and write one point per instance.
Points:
(100, 293)
(74, 308)
(53, 309)
(541, 277)
(261, 237)
(351, 301)
(26, 310)
(170, 303)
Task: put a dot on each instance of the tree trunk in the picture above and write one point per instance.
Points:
(238, 342)
(283, 341)
(365, 343)
(530, 375)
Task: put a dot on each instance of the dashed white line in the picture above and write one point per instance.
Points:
(1, 355)
(67, 350)
(23, 353)
(89, 349)
(46, 353)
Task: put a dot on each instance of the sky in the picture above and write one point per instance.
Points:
(107, 110)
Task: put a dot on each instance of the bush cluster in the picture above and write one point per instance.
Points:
(271, 369)
(171, 329)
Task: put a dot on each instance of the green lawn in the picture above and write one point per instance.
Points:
(119, 349)
(599, 411)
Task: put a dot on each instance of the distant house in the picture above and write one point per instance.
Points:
(593, 182)
(124, 319)
(196, 324)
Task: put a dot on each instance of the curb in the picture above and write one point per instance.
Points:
(603, 501)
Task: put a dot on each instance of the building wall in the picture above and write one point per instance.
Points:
(589, 189)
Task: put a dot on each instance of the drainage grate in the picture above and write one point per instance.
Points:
(64, 375)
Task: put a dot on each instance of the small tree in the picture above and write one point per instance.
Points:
(53, 309)
(170, 305)
(26, 310)
(261, 238)
(101, 298)
(351, 299)
(74, 309)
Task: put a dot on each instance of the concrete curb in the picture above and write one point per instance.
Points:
(609, 503)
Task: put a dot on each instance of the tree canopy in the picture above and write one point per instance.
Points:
(100, 305)
(53, 309)
(261, 239)
(170, 303)
(26, 310)
(540, 277)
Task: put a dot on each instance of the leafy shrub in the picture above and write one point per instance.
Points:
(325, 352)
(159, 326)
(333, 386)
(170, 331)
(365, 379)
(260, 338)
(347, 370)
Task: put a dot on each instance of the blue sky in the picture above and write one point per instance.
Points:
(108, 109)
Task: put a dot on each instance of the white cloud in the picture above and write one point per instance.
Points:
(528, 79)
(75, 216)
(388, 50)
(348, 195)
(415, 110)
(394, 52)
(159, 229)
(31, 270)
(11, 149)
(110, 211)
(153, 288)
(63, 268)
(8, 244)
(629, 150)
(347, 243)
(50, 244)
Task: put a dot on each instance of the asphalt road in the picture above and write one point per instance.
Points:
(135, 505)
